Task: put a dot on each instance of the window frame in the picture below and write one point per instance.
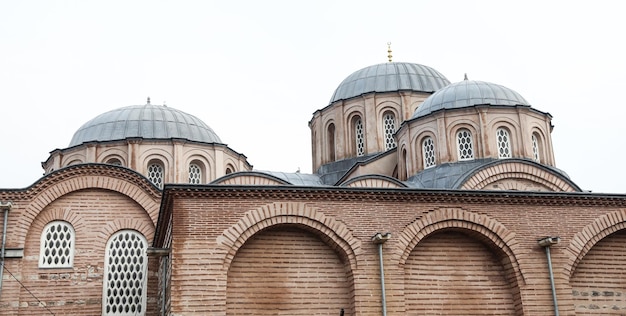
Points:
(43, 243)
(107, 268)
(500, 143)
(389, 130)
(159, 163)
(469, 137)
(429, 158)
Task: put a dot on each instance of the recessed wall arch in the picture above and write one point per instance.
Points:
(201, 161)
(108, 154)
(419, 157)
(68, 180)
(590, 235)
(334, 233)
(156, 153)
(73, 159)
(490, 231)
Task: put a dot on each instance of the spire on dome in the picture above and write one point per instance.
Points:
(465, 77)
(148, 101)
(389, 56)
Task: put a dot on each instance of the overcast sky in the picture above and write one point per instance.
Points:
(255, 71)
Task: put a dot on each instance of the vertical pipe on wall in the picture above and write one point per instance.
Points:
(6, 207)
(546, 243)
(379, 239)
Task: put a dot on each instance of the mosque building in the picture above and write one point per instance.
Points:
(427, 198)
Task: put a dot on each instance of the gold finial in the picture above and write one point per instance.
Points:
(148, 102)
(389, 51)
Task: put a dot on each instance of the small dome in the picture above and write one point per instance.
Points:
(145, 121)
(389, 77)
(469, 93)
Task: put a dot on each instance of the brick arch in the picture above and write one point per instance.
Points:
(107, 177)
(331, 231)
(113, 227)
(487, 228)
(590, 235)
(502, 170)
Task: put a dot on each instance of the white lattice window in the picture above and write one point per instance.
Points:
(155, 174)
(359, 137)
(195, 174)
(464, 144)
(389, 124)
(504, 143)
(125, 279)
(536, 156)
(57, 245)
(428, 152)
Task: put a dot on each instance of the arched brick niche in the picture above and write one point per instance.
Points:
(450, 230)
(335, 233)
(301, 257)
(596, 256)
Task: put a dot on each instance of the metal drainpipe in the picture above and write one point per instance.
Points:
(6, 207)
(379, 239)
(546, 243)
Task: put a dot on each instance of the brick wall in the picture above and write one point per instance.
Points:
(461, 253)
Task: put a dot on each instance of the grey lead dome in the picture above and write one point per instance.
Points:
(469, 93)
(389, 77)
(145, 121)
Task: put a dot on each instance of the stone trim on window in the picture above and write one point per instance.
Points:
(57, 245)
(125, 274)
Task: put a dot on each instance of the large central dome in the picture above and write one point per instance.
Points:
(389, 77)
(144, 121)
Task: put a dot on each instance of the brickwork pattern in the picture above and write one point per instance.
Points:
(491, 237)
(97, 201)
(287, 271)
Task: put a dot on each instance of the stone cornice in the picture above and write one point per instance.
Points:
(392, 194)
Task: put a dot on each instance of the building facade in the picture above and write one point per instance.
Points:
(427, 198)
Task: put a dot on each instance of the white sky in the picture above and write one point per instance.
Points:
(255, 71)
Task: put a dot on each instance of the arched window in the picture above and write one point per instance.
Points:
(230, 169)
(389, 124)
(359, 137)
(331, 142)
(404, 168)
(125, 279)
(428, 152)
(504, 143)
(57, 245)
(74, 162)
(536, 152)
(156, 173)
(465, 145)
(114, 161)
(195, 173)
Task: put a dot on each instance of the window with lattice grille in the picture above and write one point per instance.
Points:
(428, 152)
(155, 174)
(504, 143)
(464, 144)
(359, 137)
(195, 174)
(389, 123)
(536, 156)
(125, 279)
(57, 245)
